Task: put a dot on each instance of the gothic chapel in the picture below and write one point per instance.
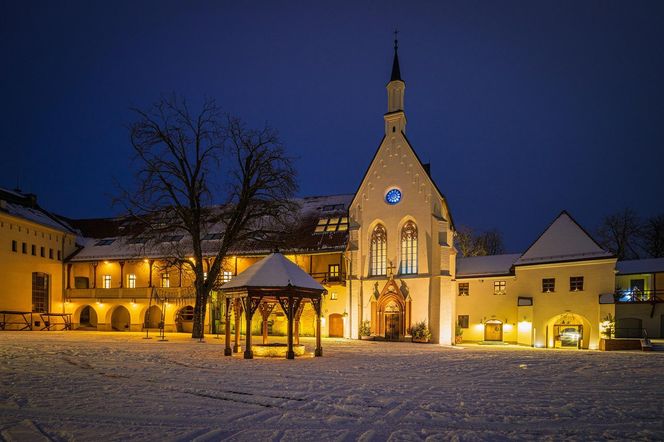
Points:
(401, 237)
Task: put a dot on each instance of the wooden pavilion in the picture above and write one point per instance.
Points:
(271, 281)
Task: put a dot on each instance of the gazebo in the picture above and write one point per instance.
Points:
(271, 281)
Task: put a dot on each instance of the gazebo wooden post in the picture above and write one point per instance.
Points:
(228, 351)
(298, 315)
(266, 309)
(317, 306)
(251, 303)
(290, 354)
(238, 311)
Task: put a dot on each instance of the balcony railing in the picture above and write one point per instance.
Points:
(112, 293)
(329, 278)
(638, 296)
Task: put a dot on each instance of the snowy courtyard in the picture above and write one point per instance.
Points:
(114, 386)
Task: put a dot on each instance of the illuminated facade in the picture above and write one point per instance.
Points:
(385, 255)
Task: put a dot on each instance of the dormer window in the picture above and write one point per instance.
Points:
(104, 242)
(212, 236)
(334, 224)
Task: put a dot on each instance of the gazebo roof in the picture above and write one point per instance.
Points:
(273, 272)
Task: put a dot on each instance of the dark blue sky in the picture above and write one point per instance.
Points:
(523, 108)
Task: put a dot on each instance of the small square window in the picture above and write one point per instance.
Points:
(333, 296)
(576, 283)
(499, 287)
(333, 272)
(463, 321)
(464, 289)
(548, 285)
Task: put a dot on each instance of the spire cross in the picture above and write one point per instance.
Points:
(396, 41)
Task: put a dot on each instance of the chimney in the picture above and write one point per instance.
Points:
(32, 199)
(427, 168)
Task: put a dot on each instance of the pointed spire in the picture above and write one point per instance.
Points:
(396, 72)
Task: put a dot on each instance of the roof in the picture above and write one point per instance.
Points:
(24, 205)
(491, 265)
(563, 240)
(273, 271)
(116, 238)
(634, 266)
(396, 72)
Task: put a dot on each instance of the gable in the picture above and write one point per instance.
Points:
(563, 240)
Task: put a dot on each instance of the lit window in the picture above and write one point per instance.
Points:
(333, 272)
(165, 280)
(409, 249)
(334, 224)
(548, 285)
(499, 287)
(333, 296)
(131, 281)
(463, 321)
(393, 196)
(576, 283)
(204, 276)
(226, 276)
(378, 251)
(464, 289)
(107, 281)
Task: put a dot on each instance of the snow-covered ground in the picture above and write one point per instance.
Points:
(117, 386)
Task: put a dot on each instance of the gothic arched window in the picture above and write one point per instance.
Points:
(409, 249)
(378, 251)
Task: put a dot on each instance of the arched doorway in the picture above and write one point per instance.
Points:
(390, 312)
(88, 318)
(336, 328)
(153, 317)
(493, 330)
(568, 331)
(120, 319)
(184, 319)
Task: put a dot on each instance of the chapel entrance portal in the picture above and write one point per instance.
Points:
(493, 330)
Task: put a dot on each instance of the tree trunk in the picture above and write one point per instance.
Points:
(198, 329)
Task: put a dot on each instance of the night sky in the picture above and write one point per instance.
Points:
(523, 108)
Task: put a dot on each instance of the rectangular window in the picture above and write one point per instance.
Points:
(59, 255)
(464, 288)
(131, 281)
(333, 296)
(24, 248)
(463, 321)
(499, 287)
(165, 280)
(33, 249)
(14, 246)
(42, 252)
(107, 281)
(50, 253)
(40, 289)
(576, 283)
(333, 272)
(226, 276)
(548, 285)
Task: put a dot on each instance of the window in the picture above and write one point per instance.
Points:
(226, 276)
(14, 246)
(548, 285)
(131, 281)
(204, 276)
(42, 252)
(409, 249)
(50, 253)
(332, 207)
(107, 281)
(464, 288)
(463, 321)
(24, 248)
(40, 288)
(576, 283)
(333, 296)
(212, 236)
(33, 250)
(165, 280)
(334, 224)
(59, 255)
(333, 272)
(138, 240)
(377, 251)
(104, 242)
(499, 287)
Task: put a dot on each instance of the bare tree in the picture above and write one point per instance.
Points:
(186, 162)
(485, 243)
(619, 233)
(652, 236)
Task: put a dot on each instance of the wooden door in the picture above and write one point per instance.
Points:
(392, 321)
(493, 331)
(336, 329)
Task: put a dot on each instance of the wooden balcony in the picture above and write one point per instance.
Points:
(326, 278)
(635, 296)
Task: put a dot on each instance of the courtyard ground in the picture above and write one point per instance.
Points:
(118, 386)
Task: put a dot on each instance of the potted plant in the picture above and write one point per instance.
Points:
(365, 330)
(420, 332)
(458, 334)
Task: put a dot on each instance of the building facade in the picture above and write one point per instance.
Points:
(385, 255)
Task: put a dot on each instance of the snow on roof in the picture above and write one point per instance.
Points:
(25, 206)
(563, 240)
(634, 266)
(485, 265)
(275, 270)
